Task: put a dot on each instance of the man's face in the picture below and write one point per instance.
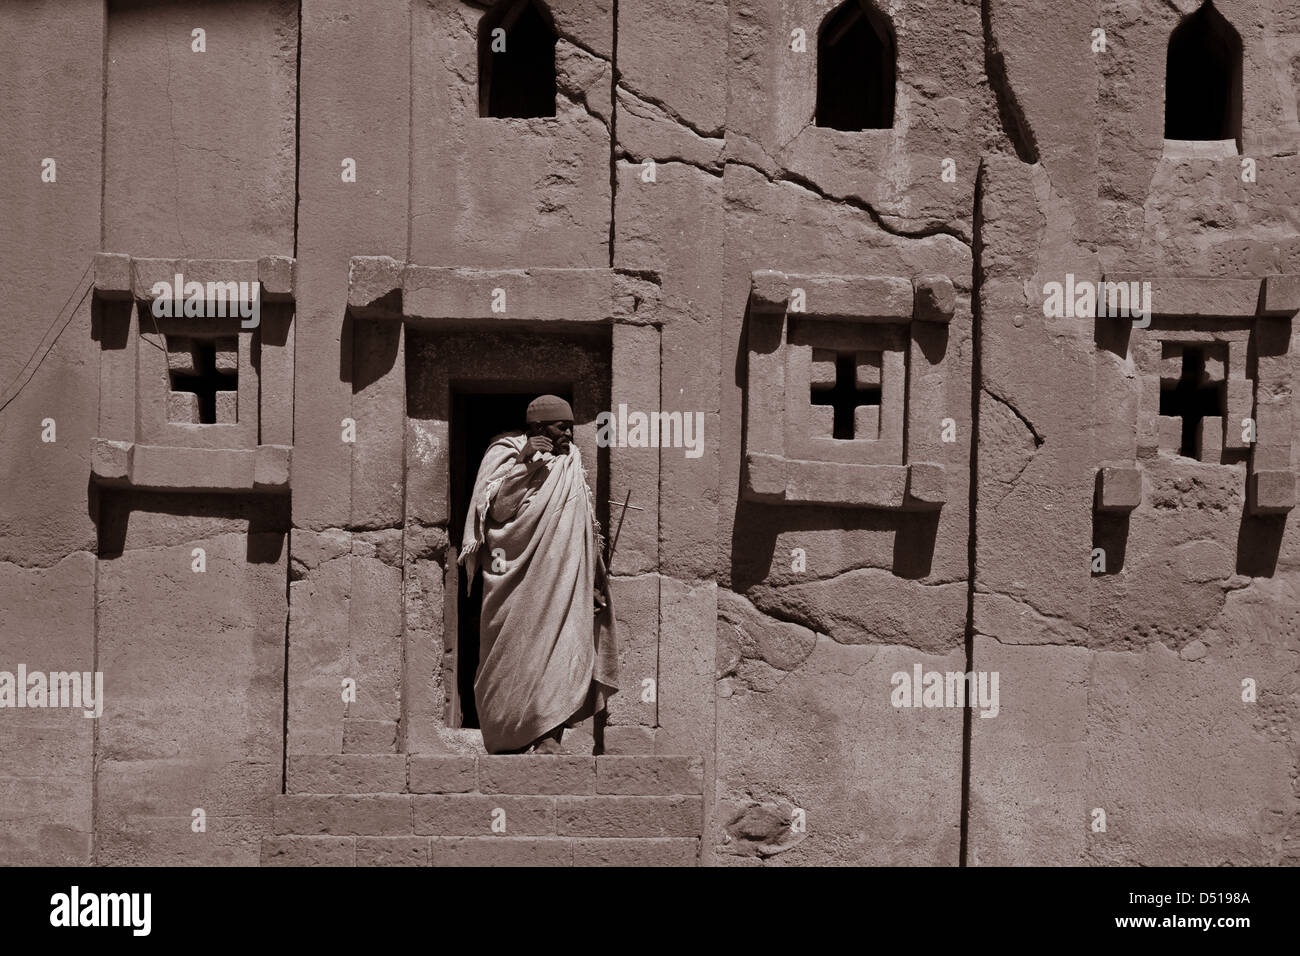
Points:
(560, 434)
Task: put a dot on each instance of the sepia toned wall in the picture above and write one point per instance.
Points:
(651, 240)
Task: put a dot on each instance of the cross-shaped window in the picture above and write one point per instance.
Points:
(208, 377)
(1191, 399)
(847, 394)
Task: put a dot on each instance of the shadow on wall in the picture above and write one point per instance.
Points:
(1259, 542)
(265, 519)
(757, 526)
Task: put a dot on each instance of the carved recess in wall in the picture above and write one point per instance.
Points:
(1215, 371)
(828, 390)
(193, 403)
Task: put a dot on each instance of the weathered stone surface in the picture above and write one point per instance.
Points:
(816, 727)
(309, 851)
(651, 851)
(350, 773)
(45, 778)
(393, 851)
(649, 775)
(537, 773)
(213, 740)
(484, 815)
(610, 816)
(1119, 488)
(1124, 561)
(151, 208)
(500, 851)
(443, 774)
(344, 814)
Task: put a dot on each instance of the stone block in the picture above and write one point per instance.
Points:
(1271, 492)
(821, 370)
(1170, 428)
(308, 851)
(365, 736)
(1282, 295)
(619, 816)
(205, 271)
(347, 773)
(926, 486)
(1181, 295)
(271, 466)
(343, 814)
(648, 851)
(500, 851)
(636, 617)
(442, 773)
(110, 460)
(935, 300)
(649, 776)
(634, 379)
(1209, 439)
(868, 370)
(769, 291)
(227, 408)
(146, 273)
(275, 274)
(1240, 402)
(192, 469)
(688, 618)
(371, 279)
(819, 421)
(629, 740)
(183, 407)
(112, 275)
(866, 423)
(180, 355)
(474, 815)
(537, 773)
(827, 483)
(539, 295)
(393, 851)
(1119, 488)
(226, 355)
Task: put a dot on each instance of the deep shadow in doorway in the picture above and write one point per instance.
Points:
(479, 412)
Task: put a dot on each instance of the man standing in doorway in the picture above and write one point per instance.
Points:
(546, 658)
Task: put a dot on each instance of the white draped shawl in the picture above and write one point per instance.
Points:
(543, 662)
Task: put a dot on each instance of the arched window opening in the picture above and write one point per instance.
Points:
(516, 60)
(1203, 79)
(856, 68)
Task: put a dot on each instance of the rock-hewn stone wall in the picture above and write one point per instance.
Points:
(680, 236)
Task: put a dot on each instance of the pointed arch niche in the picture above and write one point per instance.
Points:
(1203, 81)
(856, 68)
(516, 60)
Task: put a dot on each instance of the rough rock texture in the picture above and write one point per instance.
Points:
(680, 236)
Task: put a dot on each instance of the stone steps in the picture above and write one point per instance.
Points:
(458, 810)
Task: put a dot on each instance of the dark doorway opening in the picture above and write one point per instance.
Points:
(479, 412)
(856, 68)
(516, 60)
(1203, 79)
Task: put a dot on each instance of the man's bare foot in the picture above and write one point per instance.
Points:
(549, 743)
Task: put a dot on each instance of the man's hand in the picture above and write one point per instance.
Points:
(599, 600)
(535, 444)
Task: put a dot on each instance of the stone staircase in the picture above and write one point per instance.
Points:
(465, 810)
